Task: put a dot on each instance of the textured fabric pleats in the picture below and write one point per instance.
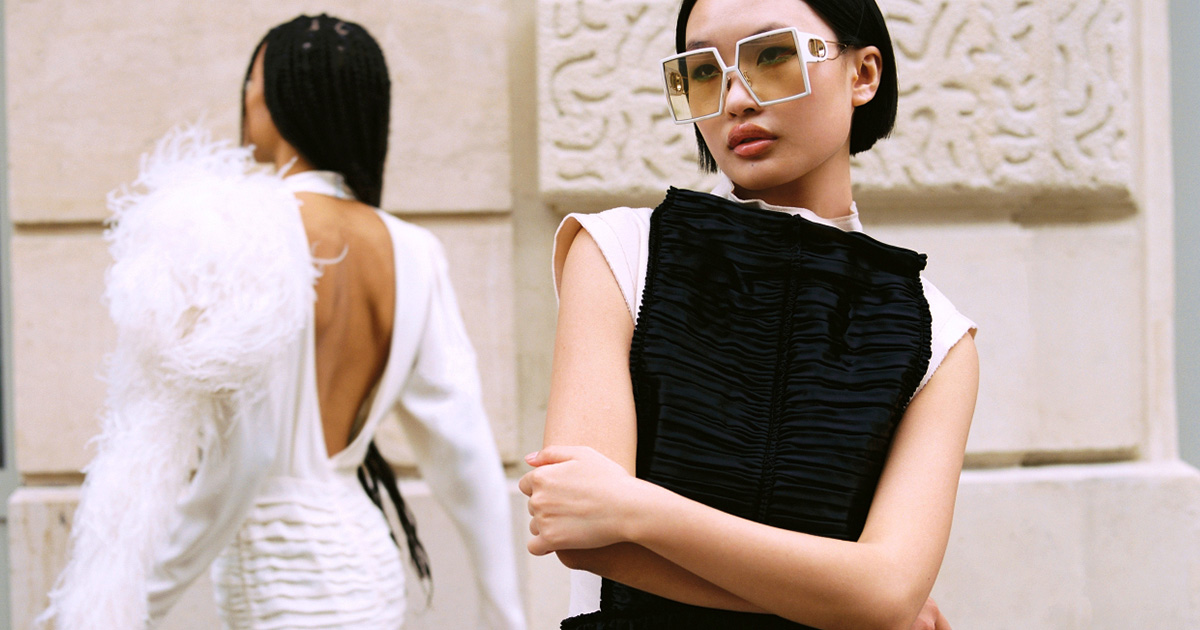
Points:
(302, 547)
(772, 360)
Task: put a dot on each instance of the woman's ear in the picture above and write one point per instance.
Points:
(868, 69)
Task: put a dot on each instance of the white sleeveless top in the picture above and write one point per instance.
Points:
(623, 236)
(296, 541)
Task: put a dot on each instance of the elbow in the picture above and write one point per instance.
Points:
(591, 560)
(894, 607)
(891, 604)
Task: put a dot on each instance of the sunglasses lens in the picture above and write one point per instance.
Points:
(693, 85)
(773, 66)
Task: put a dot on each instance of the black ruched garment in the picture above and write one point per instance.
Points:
(771, 362)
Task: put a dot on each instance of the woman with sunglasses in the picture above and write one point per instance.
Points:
(224, 353)
(758, 414)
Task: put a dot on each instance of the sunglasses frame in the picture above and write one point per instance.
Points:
(815, 50)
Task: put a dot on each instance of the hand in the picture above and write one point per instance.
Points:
(930, 618)
(576, 496)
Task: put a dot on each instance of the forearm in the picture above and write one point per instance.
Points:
(221, 494)
(468, 480)
(485, 525)
(817, 581)
(636, 566)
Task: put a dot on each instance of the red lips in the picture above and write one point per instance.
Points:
(747, 140)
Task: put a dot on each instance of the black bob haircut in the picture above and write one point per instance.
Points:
(327, 89)
(857, 24)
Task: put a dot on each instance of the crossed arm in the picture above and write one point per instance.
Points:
(589, 508)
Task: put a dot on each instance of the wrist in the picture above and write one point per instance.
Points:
(644, 501)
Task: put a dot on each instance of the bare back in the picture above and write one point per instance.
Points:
(354, 310)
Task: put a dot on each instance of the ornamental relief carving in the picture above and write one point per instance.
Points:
(604, 127)
(1027, 99)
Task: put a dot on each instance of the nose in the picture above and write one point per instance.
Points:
(738, 100)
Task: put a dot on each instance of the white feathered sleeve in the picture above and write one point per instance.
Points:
(211, 279)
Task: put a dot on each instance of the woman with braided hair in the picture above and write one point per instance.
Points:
(268, 322)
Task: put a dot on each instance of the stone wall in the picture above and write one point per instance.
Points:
(1031, 162)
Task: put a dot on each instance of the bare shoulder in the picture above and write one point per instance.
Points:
(960, 369)
(586, 274)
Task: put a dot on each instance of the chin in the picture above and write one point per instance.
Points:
(757, 175)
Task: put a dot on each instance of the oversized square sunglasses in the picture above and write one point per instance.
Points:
(773, 66)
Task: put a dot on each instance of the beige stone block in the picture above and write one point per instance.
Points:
(40, 521)
(1001, 102)
(1092, 344)
(1080, 547)
(479, 250)
(91, 86)
(1061, 356)
(61, 333)
(534, 233)
(39, 529)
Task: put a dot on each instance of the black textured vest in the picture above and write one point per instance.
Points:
(771, 361)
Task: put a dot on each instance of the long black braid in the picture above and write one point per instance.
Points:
(375, 471)
(327, 89)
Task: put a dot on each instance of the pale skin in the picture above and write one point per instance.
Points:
(355, 302)
(589, 508)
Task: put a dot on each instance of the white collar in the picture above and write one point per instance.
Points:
(846, 223)
(320, 182)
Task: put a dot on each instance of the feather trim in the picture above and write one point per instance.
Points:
(211, 280)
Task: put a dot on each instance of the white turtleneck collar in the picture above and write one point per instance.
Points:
(320, 182)
(847, 223)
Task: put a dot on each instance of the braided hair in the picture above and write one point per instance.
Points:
(326, 86)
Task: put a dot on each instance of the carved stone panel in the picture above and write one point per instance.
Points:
(1031, 99)
(1004, 102)
(604, 128)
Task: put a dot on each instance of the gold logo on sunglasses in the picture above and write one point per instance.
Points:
(676, 82)
(816, 47)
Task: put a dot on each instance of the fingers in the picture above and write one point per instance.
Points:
(942, 622)
(526, 484)
(537, 546)
(556, 454)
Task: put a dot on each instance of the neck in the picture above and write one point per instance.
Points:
(288, 157)
(825, 190)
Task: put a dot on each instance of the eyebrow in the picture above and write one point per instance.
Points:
(704, 43)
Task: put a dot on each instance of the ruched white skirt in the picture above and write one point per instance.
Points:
(311, 555)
